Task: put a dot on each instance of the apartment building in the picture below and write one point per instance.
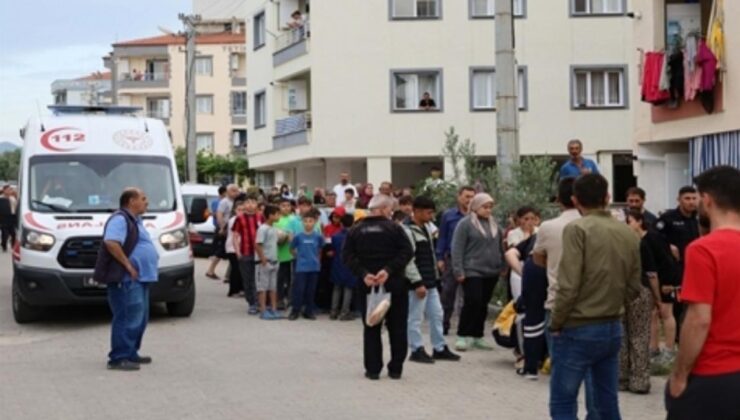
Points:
(93, 89)
(150, 73)
(676, 140)
(341, 89)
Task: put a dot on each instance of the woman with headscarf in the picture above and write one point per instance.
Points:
(477, 260)
(366, 194)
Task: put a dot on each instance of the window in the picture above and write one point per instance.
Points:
(597, 7)
(260, 109)
(238, 103)
(204, 66)
(204, 142)
(415, 9)
(158, 107)
(409, 89)
(483, 89)
(599, 88)
(485, 8)
(204, 104)
(259, 30)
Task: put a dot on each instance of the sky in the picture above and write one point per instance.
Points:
(45, 40)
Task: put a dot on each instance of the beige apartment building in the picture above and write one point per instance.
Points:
(676, 140)
(341, 89)
(150, 73)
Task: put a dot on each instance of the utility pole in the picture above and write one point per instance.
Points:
(190, 146)
(507, 109)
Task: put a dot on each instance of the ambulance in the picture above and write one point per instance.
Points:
(74, 166)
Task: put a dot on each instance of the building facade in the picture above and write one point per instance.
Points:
(93, 89)
(677, 139)
(342, 89)
(150, 73)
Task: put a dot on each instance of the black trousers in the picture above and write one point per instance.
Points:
(448, 293)
(285, 279)
(235, 278)
(477, 292)
(8, 236)
(707, 397)
(395, 321)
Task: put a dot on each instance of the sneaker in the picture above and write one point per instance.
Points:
(527, 375)
(124, 365)
(275, 314)
(461, 344)
(333, 315)
(666, 357)
(310, 317)
(421, 356)
(372, 376)
(267, 316)
(480, 344)
(253, 310)
(349, 316)
(212, 276)
(394, 375)
(293, 316)
(445, 354)
(142, 360)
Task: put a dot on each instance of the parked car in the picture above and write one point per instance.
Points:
(201, 234)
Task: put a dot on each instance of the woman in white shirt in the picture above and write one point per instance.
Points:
(527, 219)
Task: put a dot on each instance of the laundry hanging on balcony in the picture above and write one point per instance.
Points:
(713, 150)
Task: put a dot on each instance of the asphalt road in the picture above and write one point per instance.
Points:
(223, 364)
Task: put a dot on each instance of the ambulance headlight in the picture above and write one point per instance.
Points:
(174, 240)
(37, 241)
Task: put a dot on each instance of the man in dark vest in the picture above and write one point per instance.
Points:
(127, 263)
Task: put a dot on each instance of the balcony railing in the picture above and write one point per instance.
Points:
(292, 131)
(137, 80)
(293, 36)
(293, 124)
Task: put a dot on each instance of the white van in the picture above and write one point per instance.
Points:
(74, 166)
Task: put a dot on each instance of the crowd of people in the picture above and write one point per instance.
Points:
(595, 289)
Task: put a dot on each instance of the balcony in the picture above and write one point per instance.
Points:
(239, 116)
(292, 131)
(144, 80)
(291, 44)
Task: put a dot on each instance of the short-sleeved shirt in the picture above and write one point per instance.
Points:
(144, 257)
(225, 206)
(571, 170)
(267, 236)
(550, 243)
(712, 276)
(246, 226)
(229, 245)
(285, 224)
(677, 229)
(307, 248)
(296, 226)
(214, 208)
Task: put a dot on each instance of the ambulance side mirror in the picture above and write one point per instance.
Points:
(198, 210)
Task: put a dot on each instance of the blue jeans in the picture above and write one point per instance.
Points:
(431, 306)
(304, 292)
(129, 303)
(576, 351)
(592, 412)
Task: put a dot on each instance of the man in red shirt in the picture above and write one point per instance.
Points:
(705, 383)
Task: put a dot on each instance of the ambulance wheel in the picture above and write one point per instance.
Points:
(22, 311)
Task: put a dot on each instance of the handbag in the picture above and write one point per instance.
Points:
(378, 303)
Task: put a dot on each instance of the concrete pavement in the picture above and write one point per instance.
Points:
(224, 364)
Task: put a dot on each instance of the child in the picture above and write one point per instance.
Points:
(341, 276)
(285, 257)
(306, 247)
(267, 270)
(244, 232)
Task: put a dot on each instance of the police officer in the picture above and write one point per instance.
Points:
(679, 227)
(377, 251)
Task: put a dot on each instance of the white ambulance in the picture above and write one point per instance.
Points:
(74, 166)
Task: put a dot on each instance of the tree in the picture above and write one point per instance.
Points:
(9, 164)
(532, 183)
(215, 168)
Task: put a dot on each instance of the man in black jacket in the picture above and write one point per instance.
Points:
(377, 251)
